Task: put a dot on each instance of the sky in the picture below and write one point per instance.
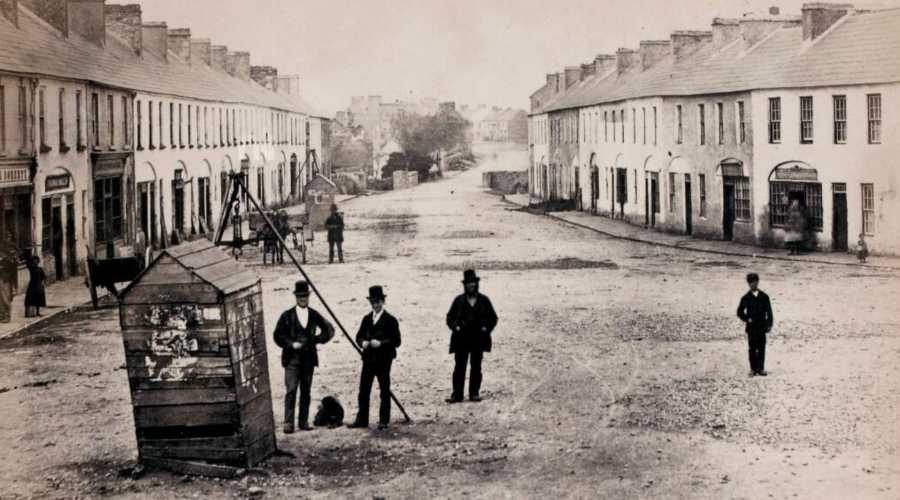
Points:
(494, 52)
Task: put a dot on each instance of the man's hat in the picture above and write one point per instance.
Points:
(376, 293)
(301, 288)
(333, 207)
(752, 277)
(470, 277)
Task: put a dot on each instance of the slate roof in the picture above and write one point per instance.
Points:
(37, 48)
(862, 48)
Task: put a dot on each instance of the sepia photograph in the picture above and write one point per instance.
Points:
(415, 249)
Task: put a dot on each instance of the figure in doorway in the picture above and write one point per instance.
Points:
(796, 225)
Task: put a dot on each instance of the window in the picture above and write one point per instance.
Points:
(679, 131)
(110, 118)
(180, 126)
(720, 119)
(140, 130)
(126, 130)
(806, 119)
(160, 119)
(742, 198)
(614, 125)
(171, 123)
(654, 125)
(46, 223)
(221, 143)
(781, 194)
(78, 118)
(874, 108)
(42, 123)
(23, 118)
(150, 124)
(701, 110)
(606, 126)
(868, 208)
(95, 118)
(62, 113)
(108, 208)
(774, 120)
(198, 124)
(840, 118)
(672, 192)
(633, 126)
(644, 123)
(189, 134)
(702, 179)
(205, 126)
(2, 118)
(622, 116)
(742, 124)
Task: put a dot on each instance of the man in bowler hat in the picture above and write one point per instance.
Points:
(755, 310)
(471, 320)
(379, 338)
(335, 225)
(297, 333)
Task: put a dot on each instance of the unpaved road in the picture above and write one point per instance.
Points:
(619, 371)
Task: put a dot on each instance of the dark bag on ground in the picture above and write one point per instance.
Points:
(330, 413)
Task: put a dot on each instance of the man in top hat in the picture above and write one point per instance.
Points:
(297, 333)
(755, 310)
(471, 320)
(335, 225)
(379, 338)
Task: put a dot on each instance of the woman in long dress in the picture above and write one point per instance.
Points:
(35, 294)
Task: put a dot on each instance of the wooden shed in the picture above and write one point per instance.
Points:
(319, 197)
(195, 350)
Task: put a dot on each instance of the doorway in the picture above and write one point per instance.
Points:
(577, 189)
(71, 247)
(688, 207)
(178, 202)
(654, 197)
(622, 189)
(839, 217)
(56, 236)
(728, 210)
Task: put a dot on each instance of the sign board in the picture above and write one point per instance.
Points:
(54, 182)
(796, 173)
(732, 170)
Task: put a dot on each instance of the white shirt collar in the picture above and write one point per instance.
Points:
(302, 315)
(377, 316)
(755, 292)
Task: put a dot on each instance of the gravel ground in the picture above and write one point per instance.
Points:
(619, 371)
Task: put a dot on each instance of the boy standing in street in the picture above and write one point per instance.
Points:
(755, 310)
(296, 334)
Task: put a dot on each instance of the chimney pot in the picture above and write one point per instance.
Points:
(266, 76)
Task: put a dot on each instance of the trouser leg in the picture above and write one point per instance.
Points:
(459, 373)
(340, 246)
(291, 381)
(475, 374)
(306, 378)
(384, 389)
(365, 390)
(761, 352)
(330, 251)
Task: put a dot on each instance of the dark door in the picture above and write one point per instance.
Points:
(622, 189)
(647, 200)
(70, 237)
(595, 188)
(178, 202)
(143, 205)
(728, 211)
(56, 234)
(577, 189)
(654, 198)
(293, 176)
(688, 208)
(839, 218)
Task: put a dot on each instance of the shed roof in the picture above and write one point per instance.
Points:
(208, 262)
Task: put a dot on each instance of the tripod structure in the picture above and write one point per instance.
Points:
(235, 186)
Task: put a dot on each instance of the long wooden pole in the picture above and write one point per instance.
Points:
(269, 223)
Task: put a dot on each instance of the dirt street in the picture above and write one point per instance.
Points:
(619, 370)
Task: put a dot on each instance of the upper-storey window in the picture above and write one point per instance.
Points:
(720, 123)
(644, 128)
(701, 113)
(679, 125)
(23, 118)
(840, 118)
(774, 120)
(2, 119)
(874, 110)
(126, 130)
(150, 124)
(654, 125)
(138, 128)
(622, 124)
(806, 119)
(742, 123)
(111, 123)
(633, 126)
(95, 118)
(42, 122)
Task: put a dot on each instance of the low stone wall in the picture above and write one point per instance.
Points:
(506, 181)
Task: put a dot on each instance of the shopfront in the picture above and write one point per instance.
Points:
(15, 220)
(113, 183)
(58, 238)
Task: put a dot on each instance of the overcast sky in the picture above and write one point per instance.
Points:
(495, 52)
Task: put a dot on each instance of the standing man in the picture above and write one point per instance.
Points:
(755, 311)
(296, 334)
(379, 337)
(471, 320)
(335, 225)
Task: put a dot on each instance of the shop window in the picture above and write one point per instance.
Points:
(15, 223)
(742, 198)
(808, 193)
(108, 208)
(868, 208)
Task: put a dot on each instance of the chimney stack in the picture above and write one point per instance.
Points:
(155, 39)
(754, 29)
(288, 85)
(625, 58)
(685, 43)
(604, 63)
(725, 31)
(200, 51)
(179, 40)
(819, 17)
(242, 65)
(267, 76)
(10, 10)
(125, 22)
(653, 51)
(572, 75)
(54, 12)
(588, 70)
(217, 57)
(88, 19)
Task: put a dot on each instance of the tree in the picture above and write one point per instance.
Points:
(425, 135)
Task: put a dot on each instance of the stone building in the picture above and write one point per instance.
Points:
(138, 138)
(712, 133)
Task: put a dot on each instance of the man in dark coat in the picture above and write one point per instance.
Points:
(335, 225)
(296, 334)
(755, 310)
(471, 320)
(379, 338)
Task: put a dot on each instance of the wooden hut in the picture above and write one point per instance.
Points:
(195, 350)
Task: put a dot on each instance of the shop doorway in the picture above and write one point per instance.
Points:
(577, 189)
(71, 247)
(147, 211)
(688, 207)
(839, 217)
(654, 197)
(622, 189)
(178, 203)
(595, 188)
(728, 210)
(56, 239)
